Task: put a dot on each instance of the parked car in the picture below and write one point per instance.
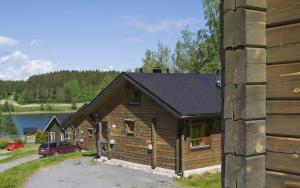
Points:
(12, 145)
(54, 148)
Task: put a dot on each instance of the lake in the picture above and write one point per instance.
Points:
(34, 120)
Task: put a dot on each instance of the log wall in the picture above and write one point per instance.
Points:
(283, 94)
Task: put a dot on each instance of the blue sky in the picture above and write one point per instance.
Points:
(41, 36)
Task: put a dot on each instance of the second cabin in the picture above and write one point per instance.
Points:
(163, 120)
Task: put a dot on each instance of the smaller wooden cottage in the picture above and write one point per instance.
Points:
(80, 130)
(29, 134)
(55, 130)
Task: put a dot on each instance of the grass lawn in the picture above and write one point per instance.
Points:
(18, 155)
(21, 150)
(207, 180)
(29, 149)
(17, 176)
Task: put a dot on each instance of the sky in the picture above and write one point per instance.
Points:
(43, 36)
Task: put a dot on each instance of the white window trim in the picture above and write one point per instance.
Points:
(52, 136)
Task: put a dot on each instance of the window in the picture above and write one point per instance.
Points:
(129, 127)
(91, 132)
(134, 96)
(62, 137)
(200, 134)
(52, 136)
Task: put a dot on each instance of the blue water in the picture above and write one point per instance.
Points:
(33, 120)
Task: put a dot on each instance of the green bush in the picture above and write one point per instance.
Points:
(4, 142)
(40, 137)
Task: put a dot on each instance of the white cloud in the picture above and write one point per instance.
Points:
(33, 42)
(17, 65)
(5, 41)
(16, 55)
(164, 25)
(133, 39)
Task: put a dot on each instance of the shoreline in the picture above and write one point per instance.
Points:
(38, 112)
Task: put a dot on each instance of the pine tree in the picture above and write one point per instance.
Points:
(9, 126)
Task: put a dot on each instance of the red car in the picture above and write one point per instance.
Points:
(14, 145)
(54, 148)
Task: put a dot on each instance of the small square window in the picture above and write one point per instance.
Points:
(129, 127)
(91, 132)
(134, 96)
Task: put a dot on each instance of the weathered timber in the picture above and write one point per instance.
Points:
(243, 171)
(280, 180)
(284, 54)
(281, 12)
(246, 28)
(177, 152)
(283, 90)
(283, 125)
(244, 101)
(283, 162)
(286, 34)
(153, 142)
(283, 73)
(182, 157)
(283, 145)
(246, 65)
(245, 137)
(283, 107)
(251, 4)
(99, 145)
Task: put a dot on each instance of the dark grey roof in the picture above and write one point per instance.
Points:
(187, 94)
(55, 119)
(29, 130)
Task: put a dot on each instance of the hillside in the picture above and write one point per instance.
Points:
(57, 87)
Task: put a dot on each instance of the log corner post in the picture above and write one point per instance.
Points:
(153, 143)
(243, 57)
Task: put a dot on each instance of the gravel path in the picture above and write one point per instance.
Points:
(81, 173)
(11, 164)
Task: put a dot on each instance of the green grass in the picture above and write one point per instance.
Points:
(18, 156)
(17, 176)
(207, 180)
(21, 150)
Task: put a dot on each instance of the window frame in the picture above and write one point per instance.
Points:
(52, 136)
(131, 96)
(127, 123)
(206, 137)
(90, 132)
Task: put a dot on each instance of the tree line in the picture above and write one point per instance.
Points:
(58, 87)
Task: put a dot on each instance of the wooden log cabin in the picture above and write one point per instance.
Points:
(166, 120)
(80, 130)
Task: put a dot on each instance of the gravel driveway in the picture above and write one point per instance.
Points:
(81, 173)
(11, 164)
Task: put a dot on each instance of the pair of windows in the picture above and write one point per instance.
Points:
(200, 132)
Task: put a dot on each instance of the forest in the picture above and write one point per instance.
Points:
(57, 87)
